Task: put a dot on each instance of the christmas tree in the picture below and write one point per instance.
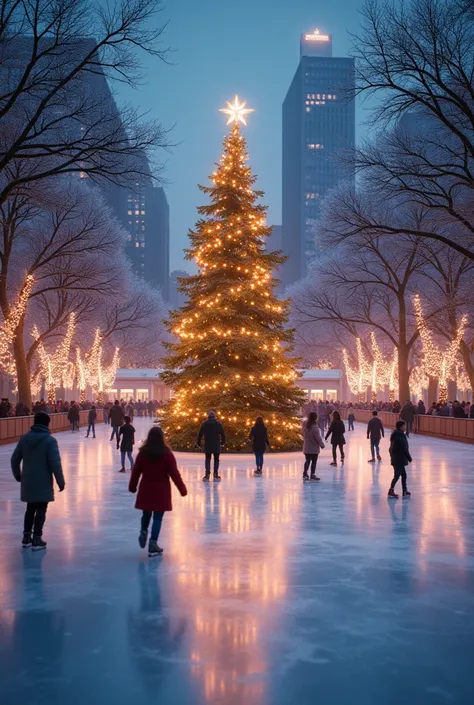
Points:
(232, 355)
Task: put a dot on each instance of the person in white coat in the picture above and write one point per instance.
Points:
(312, 444)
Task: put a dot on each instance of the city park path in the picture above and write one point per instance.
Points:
(269, 591)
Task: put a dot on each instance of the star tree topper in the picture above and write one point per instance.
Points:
(236, 111)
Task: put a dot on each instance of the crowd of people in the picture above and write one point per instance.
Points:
(36, 462)
(141, 408)
(456, 409)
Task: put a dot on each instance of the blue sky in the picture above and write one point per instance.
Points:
(250, 47)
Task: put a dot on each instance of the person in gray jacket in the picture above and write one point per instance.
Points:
(38, 451)
(312, 444)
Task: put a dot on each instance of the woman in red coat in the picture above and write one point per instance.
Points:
(155, 464)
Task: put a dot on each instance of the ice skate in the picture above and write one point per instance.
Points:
(153, 549)
(406, 493)
(26, 542)
(38, 543)
(257, 473)
(305, 477)
(333, 464)
(391, 493)
(122, 470)
(372, 460)
(217, 477)
(379, 457)
(315, 477)
(206, 478)
(142, 538)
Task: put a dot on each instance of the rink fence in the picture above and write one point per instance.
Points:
(437, 426)
(11, 429)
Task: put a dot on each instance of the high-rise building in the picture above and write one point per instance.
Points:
(318, 130)
(147, 224)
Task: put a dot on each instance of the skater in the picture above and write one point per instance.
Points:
(351, 419)
(91, 419)
(38, 451)
(337, 430)
(259, 437)
(127, 434)
(399, 457)
(116, 419)
(74, 416)
(106, 411)
(155, 464)
(214, 441)
(407, 414)
(312, 444)
(375, 431)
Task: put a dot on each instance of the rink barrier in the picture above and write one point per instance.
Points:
(12, 428)
(437, 426)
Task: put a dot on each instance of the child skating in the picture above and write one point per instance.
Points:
(154, 466)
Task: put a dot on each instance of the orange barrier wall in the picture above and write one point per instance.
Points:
(11, 429)
(437, 426)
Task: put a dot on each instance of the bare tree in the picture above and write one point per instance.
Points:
(448, 279)
(56, 115)
(365, 285)
(62, 234)
(416, 60)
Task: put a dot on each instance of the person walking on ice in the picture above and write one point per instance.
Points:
(337, 430)
(35, 461)
(375, 431)
(399, 457)
(312, 444)
(214, 440)
(154, 466)
(260, 443)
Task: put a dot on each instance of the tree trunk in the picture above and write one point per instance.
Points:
(403, 374)
(432, 390)
(23, 372)
(468, 362)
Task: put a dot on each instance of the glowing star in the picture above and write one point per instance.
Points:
(236, 111)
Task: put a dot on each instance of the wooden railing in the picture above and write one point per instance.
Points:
(438, 426)
(12, 428)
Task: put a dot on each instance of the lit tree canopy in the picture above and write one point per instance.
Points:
(232, 352)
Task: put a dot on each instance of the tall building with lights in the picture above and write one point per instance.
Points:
(318, 129)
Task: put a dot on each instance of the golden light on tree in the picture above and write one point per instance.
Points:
(232, 349)
(436, 363)
(9, 327)
(56, 367)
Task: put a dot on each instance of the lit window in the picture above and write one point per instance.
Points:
(130, 212)
(308, 110)
(142, 212)
(137, 244)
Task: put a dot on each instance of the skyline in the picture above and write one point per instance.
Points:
(259, 70)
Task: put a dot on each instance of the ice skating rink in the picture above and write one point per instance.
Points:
(269, 592)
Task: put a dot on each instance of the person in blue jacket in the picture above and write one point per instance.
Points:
(35, 462)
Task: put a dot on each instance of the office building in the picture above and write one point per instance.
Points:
(318, 143)
(275, 241)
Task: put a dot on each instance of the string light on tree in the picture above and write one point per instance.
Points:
(10, 325)
(56, 367)
(232, 348)
(436, 363)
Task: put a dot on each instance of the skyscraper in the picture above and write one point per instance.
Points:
(318, 127)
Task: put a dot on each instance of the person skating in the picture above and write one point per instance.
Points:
(408, 414)
(74, 416)
(214, 440)
(375, 431)
(259, 437)
(351, 419)
(337, 430)
(116, 419)
(154, 466)
(127, 434)
(91, 419)
(35, 461)
(399, 458)
(312, 444)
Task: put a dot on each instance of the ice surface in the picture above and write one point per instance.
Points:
(269, 591)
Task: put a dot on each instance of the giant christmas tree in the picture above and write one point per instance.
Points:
(232, 353)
